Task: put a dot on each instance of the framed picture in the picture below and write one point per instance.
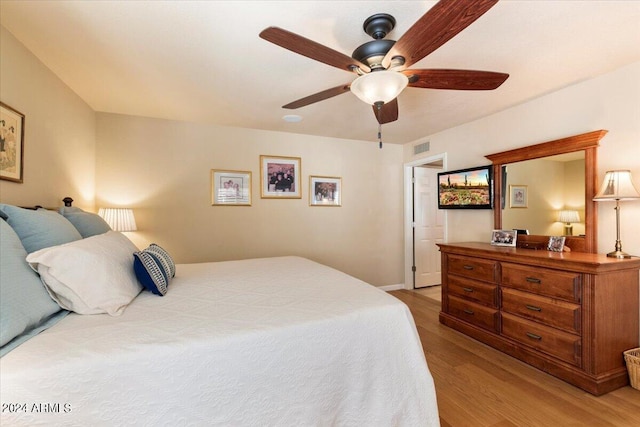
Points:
(466, 188)
(280, 177)
(504, 237)
(231, 188)
(325, 191)
(556, 244)
(518, 197)
(11, 144)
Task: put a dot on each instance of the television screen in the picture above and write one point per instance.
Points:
(466, 188)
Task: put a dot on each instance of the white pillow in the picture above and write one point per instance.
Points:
(89, 276)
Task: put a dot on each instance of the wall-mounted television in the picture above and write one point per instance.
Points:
(470, 188)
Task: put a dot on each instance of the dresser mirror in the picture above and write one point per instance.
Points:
(553, 184)
(538, 169)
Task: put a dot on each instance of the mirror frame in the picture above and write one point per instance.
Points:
(587, 142)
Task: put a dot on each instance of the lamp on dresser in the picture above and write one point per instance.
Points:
(119, 219)
(617, 185)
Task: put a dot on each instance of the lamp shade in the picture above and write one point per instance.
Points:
(617, 185)
(379, 86)
(119, 219)
(568, 216)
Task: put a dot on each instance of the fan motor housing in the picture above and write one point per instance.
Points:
(372, 53)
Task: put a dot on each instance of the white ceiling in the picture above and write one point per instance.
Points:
(203, 61)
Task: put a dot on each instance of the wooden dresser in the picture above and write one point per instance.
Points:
(569, 314)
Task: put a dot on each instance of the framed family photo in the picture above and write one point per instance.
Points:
(325, 191)
(518, 197)
(504, 237)
(231, 188)
(11, 144)
(556, 244)
(280, 177)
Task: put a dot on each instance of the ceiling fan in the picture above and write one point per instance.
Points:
(381, 64)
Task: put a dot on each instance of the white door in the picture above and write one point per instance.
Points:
(428, 227)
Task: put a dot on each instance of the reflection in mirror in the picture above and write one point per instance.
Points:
(553, 184)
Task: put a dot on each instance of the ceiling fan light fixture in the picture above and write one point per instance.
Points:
(379, 86)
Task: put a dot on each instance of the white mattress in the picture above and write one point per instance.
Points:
(262, 342)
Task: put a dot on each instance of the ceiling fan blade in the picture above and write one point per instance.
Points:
(316, 97)
(455, 79)
(439, 25)
(311, 49)
(388, 113)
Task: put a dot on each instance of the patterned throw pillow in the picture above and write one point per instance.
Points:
(154, 269)
(165, 258)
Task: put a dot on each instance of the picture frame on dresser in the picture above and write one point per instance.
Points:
(556, 243)
(11, 144)
(504, 237)
(280, 177)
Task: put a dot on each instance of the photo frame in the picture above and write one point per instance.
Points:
(518, 196)
(470, 188)
(504, 237)
(230, 188)
(325, 191)
(11, 144)
(280, 177)
(556, 244)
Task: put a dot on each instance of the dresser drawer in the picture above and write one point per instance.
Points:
(553, 312)
(543, 281)
(483, 293)
(476, 314)
(474, 268)
(563, 345)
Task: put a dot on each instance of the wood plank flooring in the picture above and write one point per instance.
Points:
(481, 387)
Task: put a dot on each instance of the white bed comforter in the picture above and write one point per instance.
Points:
(262, 342)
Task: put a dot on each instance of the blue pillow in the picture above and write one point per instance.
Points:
(25, 306)
(88, 224)
(165, 259)
(40, 228)
(151, 272)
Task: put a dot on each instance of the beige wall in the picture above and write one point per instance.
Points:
(162, 169)
(611, 102)
(59, 147)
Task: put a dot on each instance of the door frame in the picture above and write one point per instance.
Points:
(408, 213)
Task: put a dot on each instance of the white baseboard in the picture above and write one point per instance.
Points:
(388, 288)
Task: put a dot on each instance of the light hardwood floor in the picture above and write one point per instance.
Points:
(479, 386)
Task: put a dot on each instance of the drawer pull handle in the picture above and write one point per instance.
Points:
(466, 310)
(534, 336)
(468, 267)
(533, 307)
(533, 280)
(467, 289)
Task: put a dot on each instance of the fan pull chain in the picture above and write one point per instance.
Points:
(380, 134)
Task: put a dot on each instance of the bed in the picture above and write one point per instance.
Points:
(273, 341)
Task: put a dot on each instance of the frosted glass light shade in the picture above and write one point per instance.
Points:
(617, 185)
(568, 216)
(119, 219)
(379, 86)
